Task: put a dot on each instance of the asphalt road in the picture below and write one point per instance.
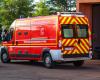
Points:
(23, 70)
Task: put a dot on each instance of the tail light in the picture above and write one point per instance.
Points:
(60, 44)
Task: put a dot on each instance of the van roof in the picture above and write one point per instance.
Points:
(77, 14)
(37, 17)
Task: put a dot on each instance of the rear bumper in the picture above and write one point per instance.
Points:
(58, 56)
(76, 59)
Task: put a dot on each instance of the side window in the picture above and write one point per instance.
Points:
(25, 33)
(82, 31)
(19, 33)
(67, 31)
(11, 32)
(0, 35)
(22, 29)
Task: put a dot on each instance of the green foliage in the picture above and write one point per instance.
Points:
(41, 9)
(63, 5)
(12, 9)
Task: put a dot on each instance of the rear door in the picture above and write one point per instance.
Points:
(69, 41)
(82, 38)
(75, 39)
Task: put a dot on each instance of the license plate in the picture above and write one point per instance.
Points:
(69, 48)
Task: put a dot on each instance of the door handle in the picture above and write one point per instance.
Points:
(12, 42)
(79, 41)
(16, 42)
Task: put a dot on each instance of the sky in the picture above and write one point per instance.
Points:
(36, 0)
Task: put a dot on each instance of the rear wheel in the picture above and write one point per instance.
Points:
(47, 60)
(5, 57)
(78, 63)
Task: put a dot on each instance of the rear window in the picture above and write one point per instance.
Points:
(74, 31)
(67, 31)
(82, 31)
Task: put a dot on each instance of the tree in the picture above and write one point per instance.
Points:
(12, 9)
(64, 5)
(71, 4)
(41, 9)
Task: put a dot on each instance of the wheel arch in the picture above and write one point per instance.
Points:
(45, 51)
(3, 49)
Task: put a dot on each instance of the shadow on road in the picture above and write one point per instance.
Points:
(66, 66)
(27, 63)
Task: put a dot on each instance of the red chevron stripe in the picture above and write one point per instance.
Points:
(65, 42)
(78, 49)
(74, 47)
(84, 46)
(86, 19)
(81, 20)
(69, 42)
(86, 42)
(65, 20)
(77, 21)
(82, 49)
(61, 18)
(70, 20)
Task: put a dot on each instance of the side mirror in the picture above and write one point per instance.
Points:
(0, 38)
(7, 37)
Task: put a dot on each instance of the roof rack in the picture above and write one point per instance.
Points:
(73, 13)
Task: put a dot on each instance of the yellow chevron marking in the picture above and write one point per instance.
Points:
(72, 42)
(74, 51)
(83, 20)
(63, 41)
(86, 19)
(68, 20)
(69, 52)
(62, 22)
(85, 44)
(67, 42)
(83, 48)
(79, 20)
(80, 49)
(87, 40)
(77, 51)
(74, 21)
(62, 49)
(65, 52)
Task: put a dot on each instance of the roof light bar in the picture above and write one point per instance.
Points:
(70, 13)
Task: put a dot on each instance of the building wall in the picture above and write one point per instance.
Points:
(87, 2)
(85, 6)
(87, 10)
(91, 8)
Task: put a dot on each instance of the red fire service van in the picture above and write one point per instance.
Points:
(65, 37)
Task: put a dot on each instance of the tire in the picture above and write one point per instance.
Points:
(5, 57)
(48, 62)
(78, 63)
